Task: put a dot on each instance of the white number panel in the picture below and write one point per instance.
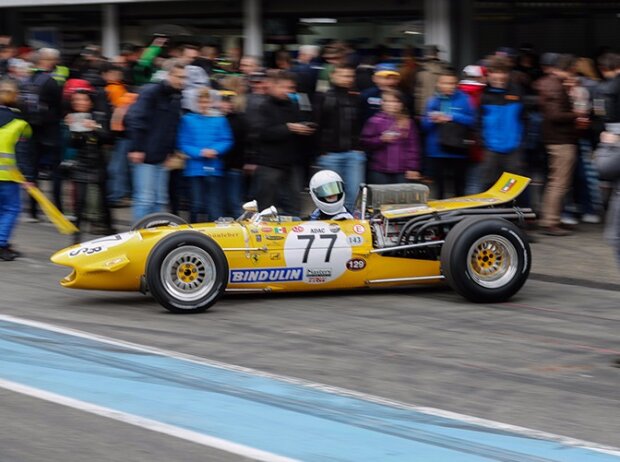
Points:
(321, 249)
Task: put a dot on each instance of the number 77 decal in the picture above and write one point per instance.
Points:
(310, 238)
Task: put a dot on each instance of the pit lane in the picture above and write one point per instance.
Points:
(542, 361)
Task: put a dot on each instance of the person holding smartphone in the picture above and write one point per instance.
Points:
(392, 141)
(280, 136)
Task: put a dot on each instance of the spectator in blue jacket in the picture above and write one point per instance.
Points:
(152, 127)
(205, 138)
(448, 116)
(501, 123)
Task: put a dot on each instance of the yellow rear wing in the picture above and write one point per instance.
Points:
(506, 189)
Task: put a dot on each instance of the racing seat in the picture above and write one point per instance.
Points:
(390, 194)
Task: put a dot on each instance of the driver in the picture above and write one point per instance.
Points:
(327, 192)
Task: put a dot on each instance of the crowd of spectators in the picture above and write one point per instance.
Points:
(175, 126)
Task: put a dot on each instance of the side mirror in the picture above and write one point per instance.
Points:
(268, 212)
(251, 206)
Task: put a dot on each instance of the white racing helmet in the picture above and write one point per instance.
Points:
(324, 184)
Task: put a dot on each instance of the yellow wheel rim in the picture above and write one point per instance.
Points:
(492, 261)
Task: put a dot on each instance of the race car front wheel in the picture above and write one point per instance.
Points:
(187, 272)
(486, 259)
(157, 219)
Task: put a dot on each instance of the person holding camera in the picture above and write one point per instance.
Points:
(89, 132)
(607, 160)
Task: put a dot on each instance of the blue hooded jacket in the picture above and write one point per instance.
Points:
(459, 108)
(198, 132)
(501, 119)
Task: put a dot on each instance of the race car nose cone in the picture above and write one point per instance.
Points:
(61, 257)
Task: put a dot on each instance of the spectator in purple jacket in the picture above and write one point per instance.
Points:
(392, 142)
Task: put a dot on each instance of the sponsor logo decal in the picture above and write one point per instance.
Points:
(356, 264)
(222, 235)
(279, 230)
(266, 275)
(508, 186)
(275, 256)
(254, 230)
(274, 238)
(318, 276)
(322, 272)
(355, 240)
(316, 280)
(298, 229)
(254, 258)
(259, 238)
(266, 229)
(318, 230)
(334, 228)
(359, 229)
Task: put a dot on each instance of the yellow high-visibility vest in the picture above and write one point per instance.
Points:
(60, 74)
(10, 134)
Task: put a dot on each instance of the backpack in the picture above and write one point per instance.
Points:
(32, 106)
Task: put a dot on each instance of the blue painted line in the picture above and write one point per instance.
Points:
(279, 417)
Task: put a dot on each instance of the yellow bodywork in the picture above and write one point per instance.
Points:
(287, 256)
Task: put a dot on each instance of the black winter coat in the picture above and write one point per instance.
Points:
(276, 145)
(338, 115)
(152, 122)
(235, 158)
(50, 96)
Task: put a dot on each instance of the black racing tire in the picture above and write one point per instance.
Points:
(157, 219)
(187, 272)
(486, 260)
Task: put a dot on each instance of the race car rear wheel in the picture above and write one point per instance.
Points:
(187, 272)
(486, 259)
(155, 220)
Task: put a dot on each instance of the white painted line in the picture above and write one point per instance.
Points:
(149, 424)
(531, 433)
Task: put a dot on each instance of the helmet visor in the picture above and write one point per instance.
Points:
(329, 189)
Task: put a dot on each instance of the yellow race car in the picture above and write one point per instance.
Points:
(401, 238)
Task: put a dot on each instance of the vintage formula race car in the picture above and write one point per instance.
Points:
(473, 242)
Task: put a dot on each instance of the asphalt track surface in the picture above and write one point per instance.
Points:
(544, 361)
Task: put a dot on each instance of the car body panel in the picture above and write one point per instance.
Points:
(292, 256)
(278, 255)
